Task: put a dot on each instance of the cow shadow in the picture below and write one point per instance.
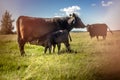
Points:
(68, 52)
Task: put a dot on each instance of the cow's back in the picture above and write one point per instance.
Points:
(30, 28)
(99, 29)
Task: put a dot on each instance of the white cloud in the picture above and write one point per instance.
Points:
(72, 9)
(107, 3)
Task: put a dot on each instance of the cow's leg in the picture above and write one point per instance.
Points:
(91, 37)
(97, 37)
(59, 46)
(104, 37)
(54, 45)
(21, 47)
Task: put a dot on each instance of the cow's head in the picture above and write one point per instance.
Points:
(75, 21)
(88, 27)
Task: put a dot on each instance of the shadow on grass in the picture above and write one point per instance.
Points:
(68, 52)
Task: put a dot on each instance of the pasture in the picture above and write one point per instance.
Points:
(94, 60)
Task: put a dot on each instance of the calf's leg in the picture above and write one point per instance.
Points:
(50, 49)
(54, 45)
(59, 46)
(45, 50)
(67, 46)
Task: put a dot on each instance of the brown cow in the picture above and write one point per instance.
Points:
(98, 30)
(31, 28)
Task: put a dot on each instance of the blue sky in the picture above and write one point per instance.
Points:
(90, 11)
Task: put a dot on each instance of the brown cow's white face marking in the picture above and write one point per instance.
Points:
(71, 21)
(77, 21)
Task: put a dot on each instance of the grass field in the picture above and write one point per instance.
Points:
(95, 60)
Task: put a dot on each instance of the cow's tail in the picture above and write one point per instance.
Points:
(18, 28)
(109, 30)
(70, 37)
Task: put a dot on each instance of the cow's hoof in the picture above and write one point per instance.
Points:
(23, 54)
(75, 52)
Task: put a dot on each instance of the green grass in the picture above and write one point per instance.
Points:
(95, 60)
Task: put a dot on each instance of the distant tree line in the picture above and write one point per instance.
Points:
(6, 26)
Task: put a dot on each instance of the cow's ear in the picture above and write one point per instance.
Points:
(72, 15)
(71, 21)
